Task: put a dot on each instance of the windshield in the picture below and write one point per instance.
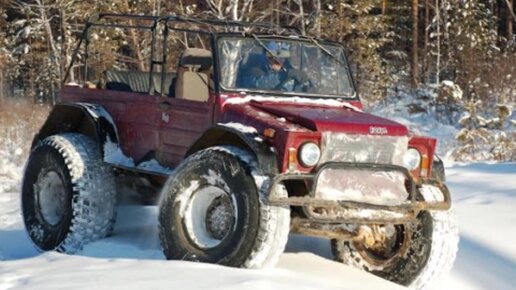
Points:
(285, 66)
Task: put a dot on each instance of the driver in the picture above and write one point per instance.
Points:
(275, 71)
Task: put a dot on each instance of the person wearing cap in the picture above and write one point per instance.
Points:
(275, 72)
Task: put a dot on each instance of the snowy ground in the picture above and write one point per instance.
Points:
(484, 196)
(485, 200)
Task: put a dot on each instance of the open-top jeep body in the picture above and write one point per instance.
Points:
(183, 113)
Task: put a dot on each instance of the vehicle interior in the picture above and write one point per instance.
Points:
(189, 82)
(133, 57)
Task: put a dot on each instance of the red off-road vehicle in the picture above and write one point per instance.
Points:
(242, 133)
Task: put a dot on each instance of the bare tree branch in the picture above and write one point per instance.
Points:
(509, 7)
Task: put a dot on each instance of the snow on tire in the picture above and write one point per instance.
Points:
(214, 209)
(68, 194)
(430, 247)
(445, 243)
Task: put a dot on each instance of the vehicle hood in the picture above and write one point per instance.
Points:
(335, 119)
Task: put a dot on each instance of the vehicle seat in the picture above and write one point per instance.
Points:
(193, 75)
(137, 81)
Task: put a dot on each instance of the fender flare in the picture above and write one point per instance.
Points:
(252, 142)
(89, 119)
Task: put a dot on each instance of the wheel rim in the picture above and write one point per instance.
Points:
(209, 217)
(51, 194)
(386, 252)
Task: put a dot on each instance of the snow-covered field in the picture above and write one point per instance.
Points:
(484, 197)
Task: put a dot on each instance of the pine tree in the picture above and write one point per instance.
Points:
(361, 26)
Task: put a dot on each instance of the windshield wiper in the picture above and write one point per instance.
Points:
(325, 50)
(271, 53)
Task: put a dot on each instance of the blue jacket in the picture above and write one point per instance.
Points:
(262, 76)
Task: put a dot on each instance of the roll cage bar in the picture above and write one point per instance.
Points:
(112, 21)
(212, 22)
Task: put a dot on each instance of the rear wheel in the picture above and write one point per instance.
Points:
(214, 211)
(68, 194)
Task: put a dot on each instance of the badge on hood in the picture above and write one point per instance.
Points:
(378, 130)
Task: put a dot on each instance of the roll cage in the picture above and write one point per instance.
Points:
(173, 22)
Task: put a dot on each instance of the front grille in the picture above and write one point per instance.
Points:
(379, 187)
(342, 147)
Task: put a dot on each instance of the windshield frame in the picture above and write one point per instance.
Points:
(222, 36)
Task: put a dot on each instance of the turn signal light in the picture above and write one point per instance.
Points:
(269, 133)
(425, 165)
(292, 159)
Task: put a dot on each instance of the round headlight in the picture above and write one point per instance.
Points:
(309, 154)
(411, 159)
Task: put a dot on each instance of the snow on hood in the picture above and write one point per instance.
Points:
(298, 100)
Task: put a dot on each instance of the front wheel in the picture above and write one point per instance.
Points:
(413, 255)
(213, 210)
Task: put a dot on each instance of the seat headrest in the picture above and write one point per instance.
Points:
(196, 57)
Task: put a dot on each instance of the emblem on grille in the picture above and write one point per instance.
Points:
(378, 130)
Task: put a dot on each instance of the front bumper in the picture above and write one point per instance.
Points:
(428, 195)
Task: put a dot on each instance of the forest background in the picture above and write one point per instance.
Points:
(455, 59)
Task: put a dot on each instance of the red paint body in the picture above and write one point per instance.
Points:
(144, 127)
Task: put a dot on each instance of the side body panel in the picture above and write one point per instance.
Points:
(135, 116)
(149, 126)
(180, 126)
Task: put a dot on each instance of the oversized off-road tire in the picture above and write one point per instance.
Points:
(214, 209)
(68, 194)
(419, 253)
